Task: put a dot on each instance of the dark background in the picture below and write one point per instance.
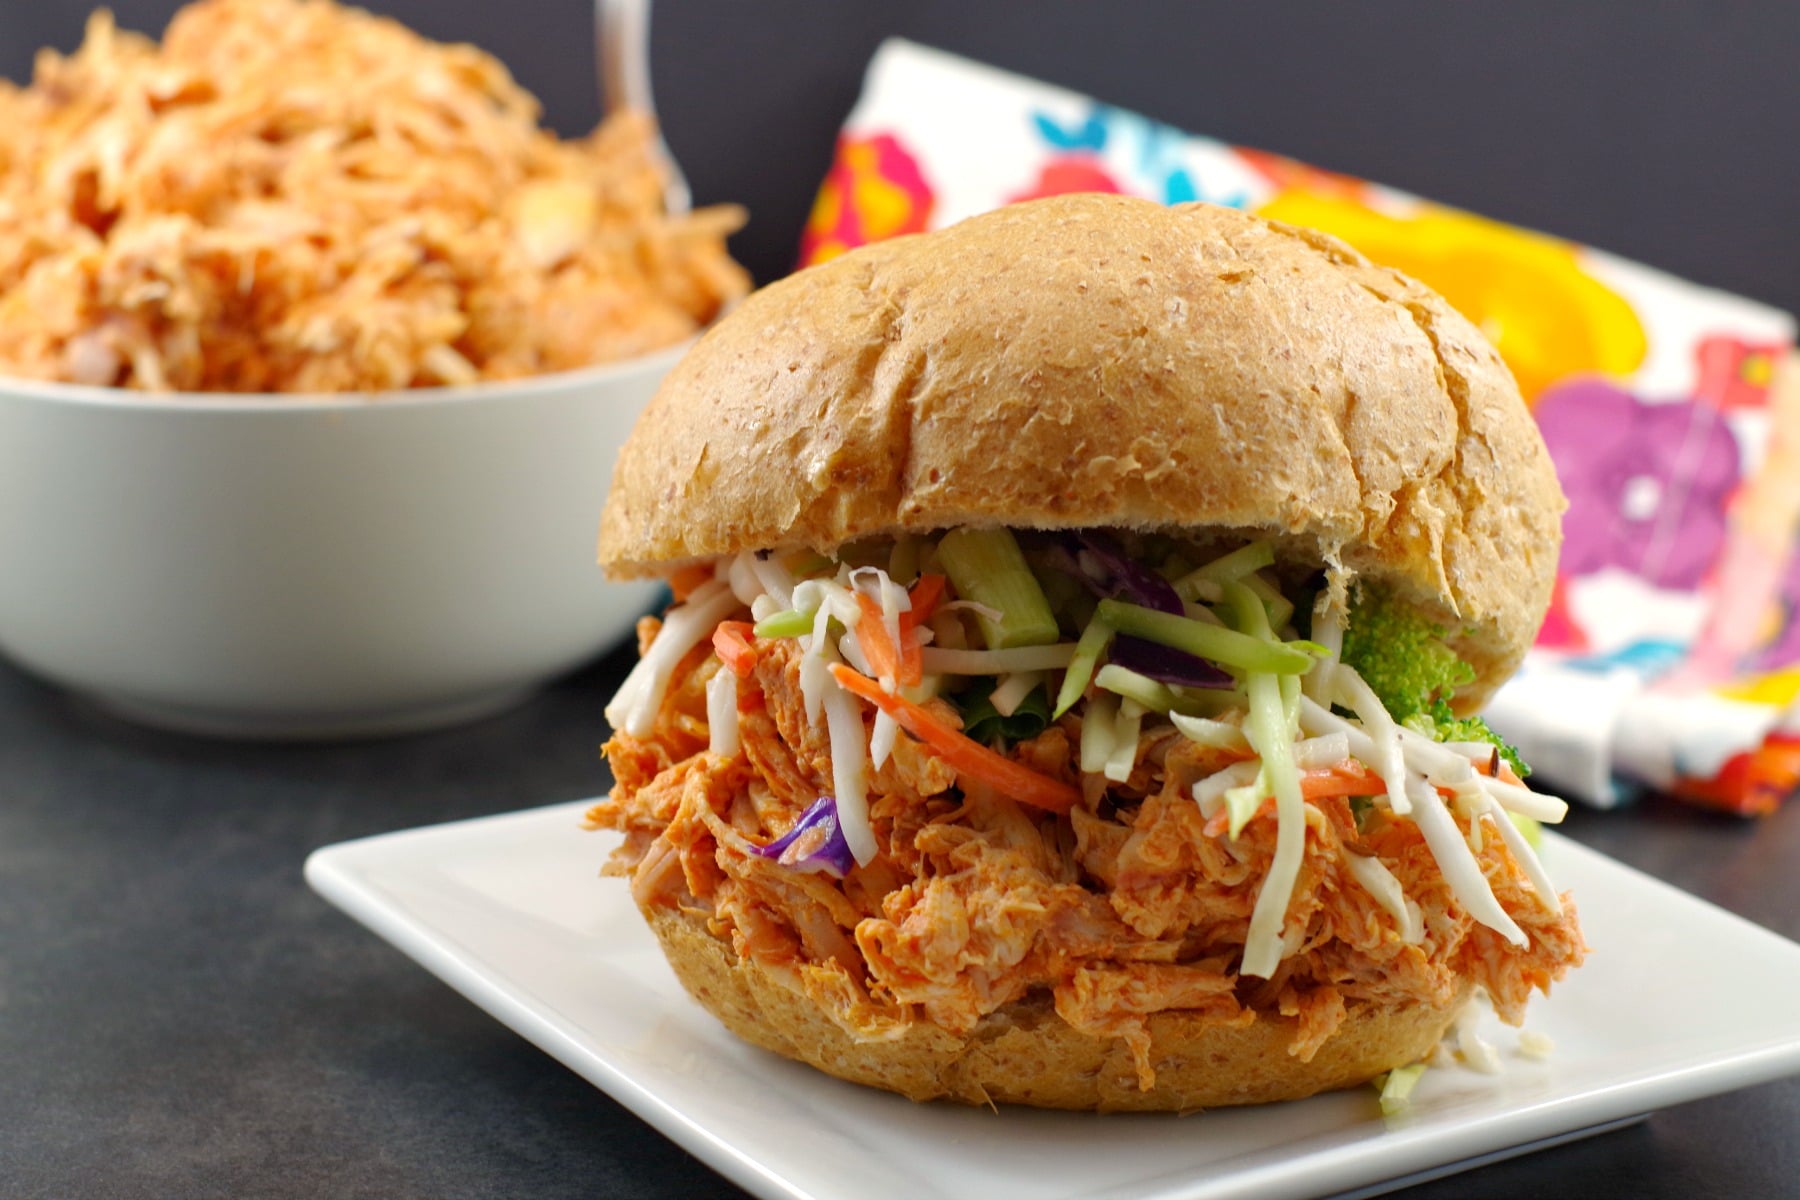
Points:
(1663, 132)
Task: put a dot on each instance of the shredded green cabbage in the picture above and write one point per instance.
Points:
(1397, 1087)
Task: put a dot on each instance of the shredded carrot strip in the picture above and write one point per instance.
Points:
(1506, 774)
(926, 594)
(1348, 778)
(965, 756)
(884, 657)
(731, 642)
(686, 579)
(912, 657)
(1220, 822)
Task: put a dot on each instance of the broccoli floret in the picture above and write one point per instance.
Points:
(1401, 655)
(1403, 658)
(1439, 722)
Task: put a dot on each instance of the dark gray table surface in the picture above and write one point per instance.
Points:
(181, 1017)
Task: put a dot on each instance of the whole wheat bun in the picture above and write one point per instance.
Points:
(1096, 360)
(1025, 1054)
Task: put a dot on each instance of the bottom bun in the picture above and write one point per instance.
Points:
(1025, 1054)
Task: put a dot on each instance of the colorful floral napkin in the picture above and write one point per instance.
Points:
(1671, 655)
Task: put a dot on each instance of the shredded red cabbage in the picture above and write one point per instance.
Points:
(1165, 664)
(1130, 580)
(815, 843)
(1121, 578)
(1060, 555)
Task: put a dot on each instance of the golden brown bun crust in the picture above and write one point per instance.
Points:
(1026, 1054)
(1097, 360)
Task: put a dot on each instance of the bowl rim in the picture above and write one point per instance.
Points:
(93, 396)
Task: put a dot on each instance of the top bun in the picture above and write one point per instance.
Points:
(1096, 360)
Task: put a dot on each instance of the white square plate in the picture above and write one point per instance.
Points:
(509, 910)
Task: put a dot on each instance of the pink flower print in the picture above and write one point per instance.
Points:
(1069, 173)
(1648, 484)
(874, 190)
(1736, 373)
(1560, 630)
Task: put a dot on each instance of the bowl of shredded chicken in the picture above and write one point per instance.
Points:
(292, 197)
(315, 351)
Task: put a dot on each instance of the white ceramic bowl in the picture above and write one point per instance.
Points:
(329, 566)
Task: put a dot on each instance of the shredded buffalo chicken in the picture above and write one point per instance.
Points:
(1123, 908)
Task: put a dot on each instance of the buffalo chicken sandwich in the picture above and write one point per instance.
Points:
(1066, 700)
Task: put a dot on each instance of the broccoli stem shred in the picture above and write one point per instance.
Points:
(987, 566)
(1227, 647)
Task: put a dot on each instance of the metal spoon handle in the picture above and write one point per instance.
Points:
(622, 35)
